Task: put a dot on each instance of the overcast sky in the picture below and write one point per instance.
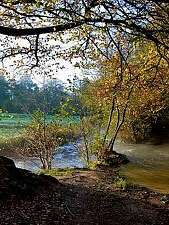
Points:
(56, 68)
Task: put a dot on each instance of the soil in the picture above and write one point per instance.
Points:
(85, 197)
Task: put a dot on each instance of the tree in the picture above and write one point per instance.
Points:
(4, 92)
(95, 23)
(102, 105)
(42, 139)
(51, 95)
(90, 29)
(23, 96)
(107, 98)
(147, 111)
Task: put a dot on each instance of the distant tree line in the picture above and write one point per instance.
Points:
(25, 96)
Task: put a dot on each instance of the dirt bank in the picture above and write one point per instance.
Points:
(84, 197)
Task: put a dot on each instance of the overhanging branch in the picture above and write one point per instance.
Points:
(10, 31)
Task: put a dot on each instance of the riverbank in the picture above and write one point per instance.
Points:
(148, 163)
(78, 197)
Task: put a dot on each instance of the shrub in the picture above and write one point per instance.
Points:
(43, 139)
(121, 183)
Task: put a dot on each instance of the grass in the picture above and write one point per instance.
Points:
(20, 120)
(13, 119)
(12, 125)
(58, 172)
(11, 129)
(6, 133)
(123, 183)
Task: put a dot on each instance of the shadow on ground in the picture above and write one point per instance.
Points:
(75, 200)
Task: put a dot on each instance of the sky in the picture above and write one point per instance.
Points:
(66, 69)
(63, 74)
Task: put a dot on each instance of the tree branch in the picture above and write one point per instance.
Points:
(10, 31)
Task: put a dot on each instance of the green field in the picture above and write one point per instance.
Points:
(12, 127)
(12, 124)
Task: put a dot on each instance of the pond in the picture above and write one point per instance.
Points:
(149, 164)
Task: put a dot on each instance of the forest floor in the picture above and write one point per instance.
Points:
(84, 197)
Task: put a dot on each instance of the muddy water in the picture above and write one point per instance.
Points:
(149, 165)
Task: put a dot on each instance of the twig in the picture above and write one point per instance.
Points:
(69, 210)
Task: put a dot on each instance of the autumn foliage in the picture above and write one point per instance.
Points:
(146, 72)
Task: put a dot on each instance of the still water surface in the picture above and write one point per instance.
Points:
(149, 164)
